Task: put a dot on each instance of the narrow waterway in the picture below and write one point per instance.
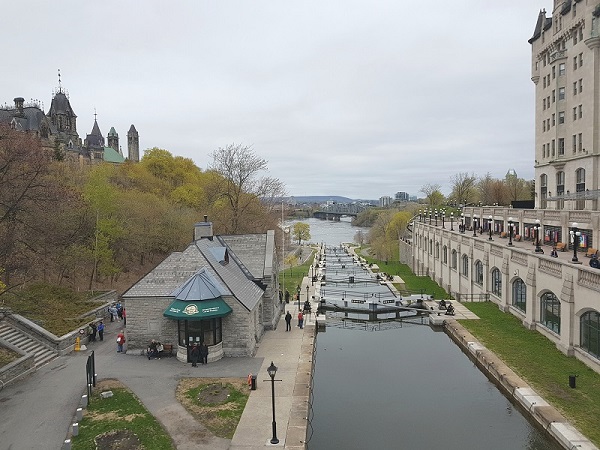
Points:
(406, 388)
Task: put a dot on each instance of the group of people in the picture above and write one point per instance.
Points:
(199, 352)
(447, 305)
(154, 349)
(116, 310)
(94, 330)
(288, 319)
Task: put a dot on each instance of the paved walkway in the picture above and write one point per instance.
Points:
(37, 412)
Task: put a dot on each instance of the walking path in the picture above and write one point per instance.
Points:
(37, 412)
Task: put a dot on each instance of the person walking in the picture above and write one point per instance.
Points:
(204, 353)
(195, 354)
(101, 330)
(300, 319)
(288, 322)
(120, 342)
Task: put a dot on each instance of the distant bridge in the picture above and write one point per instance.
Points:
(334, 211)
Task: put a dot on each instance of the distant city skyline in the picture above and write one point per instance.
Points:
(378, 99)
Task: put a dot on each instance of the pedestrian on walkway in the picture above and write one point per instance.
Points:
(120, 342)
(300, 319)
(287, 296)
(195, 354)
(204, 353)
(288, 322)
(101, 330)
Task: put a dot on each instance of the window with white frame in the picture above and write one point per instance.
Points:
(519, 295)
(478, 273)
(496, 282)
(465, 265)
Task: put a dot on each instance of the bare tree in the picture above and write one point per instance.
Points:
(242, 187)
(433, 194)
(464, 189)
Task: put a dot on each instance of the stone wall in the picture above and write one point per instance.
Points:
(240, 329)
(145, 322)
(18, 368)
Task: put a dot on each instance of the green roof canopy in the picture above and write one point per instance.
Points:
(200, 310)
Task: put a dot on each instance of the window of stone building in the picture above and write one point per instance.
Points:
(553, 119)
(496, 282)
(561, 145)
(574, 143)
(580, 111)
(553, 95)
(479, 273)
(437, 250)
(519, 295)
(575, 113)
(561, 69)
(574, 62)
(561, 117)
(544, 103)
(580, 186)
(580, 142)
(553, 147)
(454, 259)
(445, 255)
(465, 265)
(561, 93)
(543, 125)
(580, 85)
(580, 59)
(575, 88)
(553, 72)
(580, 34)
(543, 190)
(589, 329)
(550, 312)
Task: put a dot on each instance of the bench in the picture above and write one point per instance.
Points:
(591, 252)
(561, 246)
(167, 350)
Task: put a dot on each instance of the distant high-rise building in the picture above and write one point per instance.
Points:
(385, 201)
(401, 197)
(565, 61)
(133, 144)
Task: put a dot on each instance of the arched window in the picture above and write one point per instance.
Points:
(445, 255)
(431, 246)
(519, 295)
(496, 283)
(589, 339)
(479, 273)
(465, 265)
(550, 312)
(580, 186)
(454, 259)
(543, 190)
(437, 249)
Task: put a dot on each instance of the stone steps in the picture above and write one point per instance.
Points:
(42, 355)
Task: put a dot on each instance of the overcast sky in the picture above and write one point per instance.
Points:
(354, 98)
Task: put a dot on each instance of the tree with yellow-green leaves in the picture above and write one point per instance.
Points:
(301, 232)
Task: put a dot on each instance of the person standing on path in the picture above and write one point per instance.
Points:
(204, 353)
(101, 330)
(288, 322)
(300, 319)
(120, 341)
(195, 354)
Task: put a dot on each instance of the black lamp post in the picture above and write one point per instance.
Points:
(474, 225)
(272, 370)
(537, 227)
(510, 230)
(420, 218)
(435, 214)
(462, 222)
(451, 221)
(298, 298)
(490, 222)
(307, 292)
(443, 219)
(312, 275)
(575, 234)
(430, 217)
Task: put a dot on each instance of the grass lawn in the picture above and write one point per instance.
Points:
(52, 307)
(121, 421)
(294, 276)
(7, 356)
(537, 360)
(217, 403)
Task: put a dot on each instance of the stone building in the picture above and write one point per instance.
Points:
(222, 290)
(565, 62)
(58, 130)
(558, 297)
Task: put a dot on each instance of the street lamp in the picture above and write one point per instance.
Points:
(298, 292)
(436, 215)
(307, 293)
(490, 222)
(443, 218)
(272, 370)
(462, 222)
(312, 275)
(451, 221)
(474, 225)
(430, 217)
(537, 226)
(420, 218)
(510, 230)
(575, 234)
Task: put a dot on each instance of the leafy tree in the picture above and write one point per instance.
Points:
(301, 232)
(434, 196)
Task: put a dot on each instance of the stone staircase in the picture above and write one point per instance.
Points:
(42, 354)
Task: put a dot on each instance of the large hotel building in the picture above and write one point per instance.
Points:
(503, 254)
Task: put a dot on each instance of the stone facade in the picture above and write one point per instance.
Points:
(476, 267)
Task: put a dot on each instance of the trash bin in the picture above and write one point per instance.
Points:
(253, 383)
(572, 381)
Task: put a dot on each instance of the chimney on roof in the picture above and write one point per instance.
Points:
(203, 230)
(19, 106)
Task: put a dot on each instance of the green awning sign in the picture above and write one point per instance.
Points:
(202, 310)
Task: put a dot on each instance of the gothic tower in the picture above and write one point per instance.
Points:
(133, 144)
(62, 115)
(113, 139)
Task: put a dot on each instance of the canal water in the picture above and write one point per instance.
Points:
(406, 388)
